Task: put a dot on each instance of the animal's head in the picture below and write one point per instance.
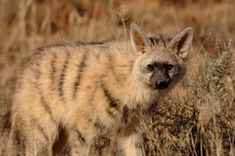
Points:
(160, 62)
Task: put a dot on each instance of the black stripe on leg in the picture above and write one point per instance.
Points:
(110, 113)
(98, 125)
(40, 129)
(80, 71)
(80, 137)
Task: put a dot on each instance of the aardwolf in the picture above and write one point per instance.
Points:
(89, 90)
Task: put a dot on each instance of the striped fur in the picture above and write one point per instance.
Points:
(82, 91)
(79, 73)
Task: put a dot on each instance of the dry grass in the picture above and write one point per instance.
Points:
(202, 122)
(198, 117)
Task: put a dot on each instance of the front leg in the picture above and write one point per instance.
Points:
(131, 145)
(78, 143)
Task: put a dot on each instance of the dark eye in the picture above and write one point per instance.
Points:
(169, 66)
(150, 67)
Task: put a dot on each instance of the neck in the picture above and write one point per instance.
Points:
(136, 93)
(122, 83)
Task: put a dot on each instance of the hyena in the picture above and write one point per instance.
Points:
(88, 90)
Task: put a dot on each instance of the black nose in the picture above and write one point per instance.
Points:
(161, 84)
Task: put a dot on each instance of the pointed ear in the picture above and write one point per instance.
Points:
(182, 42)
(139, 41)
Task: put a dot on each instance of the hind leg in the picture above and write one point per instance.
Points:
(42, 137)
(31, 136)
(21, 139)
(34, 122)
(10, 142)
